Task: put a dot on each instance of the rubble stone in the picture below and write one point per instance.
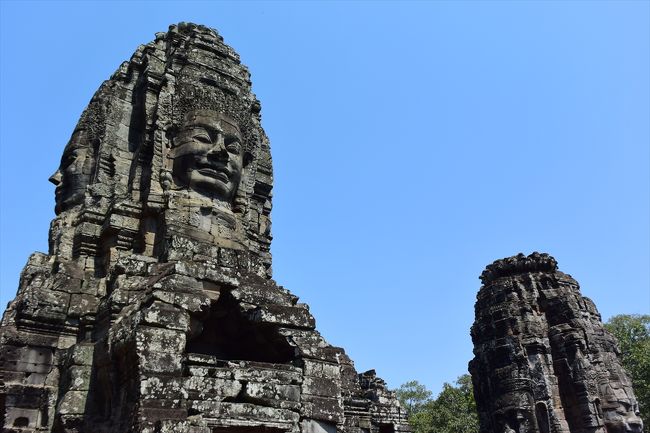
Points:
(155, 310)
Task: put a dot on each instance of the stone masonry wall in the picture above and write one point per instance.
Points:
(154, 310)
(543, 362)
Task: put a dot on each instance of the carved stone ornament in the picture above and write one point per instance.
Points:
(543, 362)
(154, 310)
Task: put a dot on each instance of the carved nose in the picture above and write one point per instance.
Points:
(636, 426)
(219, 149)
(56, 178)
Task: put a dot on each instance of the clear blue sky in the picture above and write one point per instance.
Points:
(413, 143)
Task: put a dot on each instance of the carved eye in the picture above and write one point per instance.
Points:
(233, 145)
(69, 159)
(202, 137)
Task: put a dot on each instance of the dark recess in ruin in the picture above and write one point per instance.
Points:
(227, 335)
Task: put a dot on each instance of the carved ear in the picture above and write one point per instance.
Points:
(248, 158)
(171, 133)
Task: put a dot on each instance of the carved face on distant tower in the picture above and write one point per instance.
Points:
(209, 154)
(73, 174)
(622, 416)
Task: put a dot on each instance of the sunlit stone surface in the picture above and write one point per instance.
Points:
(155, 310)
(543, 361)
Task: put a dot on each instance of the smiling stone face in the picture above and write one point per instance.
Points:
(208, 154)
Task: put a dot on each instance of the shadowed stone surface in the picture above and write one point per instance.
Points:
(543, 362)
(155, 310)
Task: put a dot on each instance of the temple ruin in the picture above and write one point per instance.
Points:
(543, 361)
(155, 310)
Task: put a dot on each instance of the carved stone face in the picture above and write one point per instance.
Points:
(208, 154)
(74, 172)
(622, 417)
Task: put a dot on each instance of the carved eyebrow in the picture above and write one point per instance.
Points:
(70, 151)
(221, 126)
(210, 128)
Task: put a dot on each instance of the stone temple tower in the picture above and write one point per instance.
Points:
(543, 362)
(154, 310)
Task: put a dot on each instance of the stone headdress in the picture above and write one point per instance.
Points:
(119, 191)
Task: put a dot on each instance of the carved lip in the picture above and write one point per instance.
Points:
(218, 172)
(58, 191)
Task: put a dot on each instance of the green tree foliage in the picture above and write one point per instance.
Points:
(633, 334)
(413, 395)
(453, 411)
